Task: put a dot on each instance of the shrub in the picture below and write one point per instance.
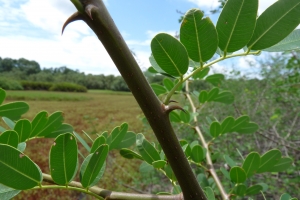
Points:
(67, 87)
(8, 84)
(33, 85)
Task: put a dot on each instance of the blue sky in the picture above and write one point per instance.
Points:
(32, 29)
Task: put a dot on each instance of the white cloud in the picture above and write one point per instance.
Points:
(205, 3)
(50, 15)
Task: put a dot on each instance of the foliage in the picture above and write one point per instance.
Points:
(8, 84)
(33, 85)
(67, 87)
(180, 61)
(32, 77)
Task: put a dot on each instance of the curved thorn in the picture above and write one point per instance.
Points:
(88, 10)
(169, 108)
(173, 101)
(74, 17)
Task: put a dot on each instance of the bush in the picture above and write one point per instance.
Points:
(8, 84)
(33, 85)
(68, 87)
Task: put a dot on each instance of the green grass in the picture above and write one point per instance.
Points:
(58, 96)
(109, 92)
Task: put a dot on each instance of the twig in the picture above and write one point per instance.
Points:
(210, 165)
(107, 194)
(263, 135)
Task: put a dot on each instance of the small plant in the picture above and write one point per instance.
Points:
(239, 32)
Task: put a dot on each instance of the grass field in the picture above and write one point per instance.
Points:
(93, 112)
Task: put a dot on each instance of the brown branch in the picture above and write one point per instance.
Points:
(100, 21)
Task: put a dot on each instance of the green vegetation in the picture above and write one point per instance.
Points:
(231, 137)
(26, 73)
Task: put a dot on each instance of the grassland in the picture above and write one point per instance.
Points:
(93, 112)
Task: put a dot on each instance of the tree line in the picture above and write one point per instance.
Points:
(14, 70)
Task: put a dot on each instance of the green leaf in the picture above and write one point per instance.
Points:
(9, 137)
(129, 154)
(127, 141)
(248, 128)
(227, 124)
(147, 151)
(237, 175)
(202, 180)
(185, 116)
(275, 23)
(291, 42)
(169, 172)
(174, 116)
(21, 146)
(146, 168)
(82, 141)
(23, 128)
(116, 136)
(97, 143)
(194, 143)
(152, 70)
(9, 122)
(225, 173)
(2, 95)
(269, 160)
(215, 79)
(38, 123)
(285, 196)
(83, 168)
(282, 165)
(240, 123)
(187, 150)
(201, 74)
(199, 36)
(198, 153)
(236, 24)
(159, 164)
(203, 96)
(96, 162)
(7, 193)
(215, 129)
(240, 190)
(170, 54)
(209, 193)
(2, 129)
(13, 173)
(155, 66)
(264, 186)
(64, 128)
(253, 190)
(251, 164)
(224, 97)
(63, 159)
(13, 110)
(158, 89)
(229, 161)
(168, 84)
(55, 120)
(213, 93)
